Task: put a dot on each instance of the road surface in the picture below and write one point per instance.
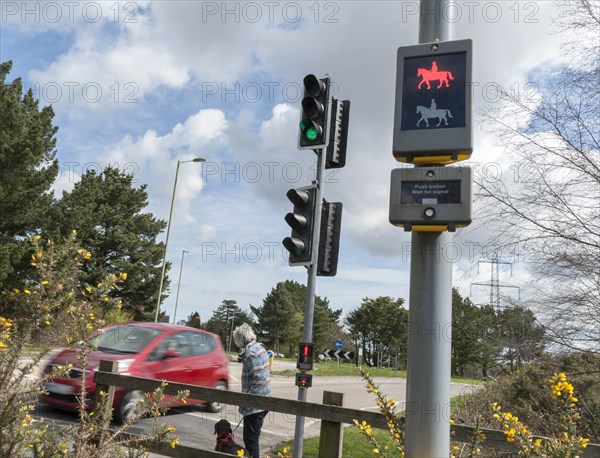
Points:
(195, 426)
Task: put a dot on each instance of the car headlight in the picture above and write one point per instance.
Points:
(124, 365)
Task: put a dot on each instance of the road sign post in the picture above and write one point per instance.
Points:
(338, 345)
(432, 127)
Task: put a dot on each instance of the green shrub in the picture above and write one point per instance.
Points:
(524, 393)
(57, 310)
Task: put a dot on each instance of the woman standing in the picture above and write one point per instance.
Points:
(255, 380)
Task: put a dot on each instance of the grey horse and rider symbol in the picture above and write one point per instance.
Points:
(432, 112)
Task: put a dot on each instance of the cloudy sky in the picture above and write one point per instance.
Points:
(143, 84)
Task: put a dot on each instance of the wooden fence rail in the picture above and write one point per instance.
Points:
(333, 415)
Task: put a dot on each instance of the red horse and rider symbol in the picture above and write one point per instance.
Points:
(443, 76)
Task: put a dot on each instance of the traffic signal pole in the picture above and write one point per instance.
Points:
(309, 310)
(427, 428)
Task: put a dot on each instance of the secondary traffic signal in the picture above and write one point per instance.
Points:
(335, 156)
(329, 241)
(314, 116)
(306, 352)
(301, 221)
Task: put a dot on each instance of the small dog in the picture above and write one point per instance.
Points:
(225, 441)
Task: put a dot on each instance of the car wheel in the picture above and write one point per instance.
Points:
(129, 407)
(214, 407)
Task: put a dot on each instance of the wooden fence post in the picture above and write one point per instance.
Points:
(332, 433)
(109, 390)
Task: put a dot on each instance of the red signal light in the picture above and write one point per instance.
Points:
(434, 74)
(305, 356)
(303, 380)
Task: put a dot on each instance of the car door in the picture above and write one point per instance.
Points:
(173, 367)
(205, 362)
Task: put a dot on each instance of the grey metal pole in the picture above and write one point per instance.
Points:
(231, 334)
(309, 310)
(164, 261)
(433, 23)
(427, 428)
(178, 286)
(427, 431)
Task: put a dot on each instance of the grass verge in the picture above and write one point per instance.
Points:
(353, 371)
(355, 445)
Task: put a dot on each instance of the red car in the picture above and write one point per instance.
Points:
(151, 350)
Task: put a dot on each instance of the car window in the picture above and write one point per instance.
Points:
(202, 343)
(179, 342)
(127, 338)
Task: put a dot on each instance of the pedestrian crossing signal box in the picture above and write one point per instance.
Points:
(432, 119)
(431, 199)
(306, 353)
(303, 380)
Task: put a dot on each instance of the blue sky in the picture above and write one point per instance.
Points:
(144, 84)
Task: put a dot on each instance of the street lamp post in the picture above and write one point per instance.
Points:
(231, 335)
(164, 261)
(178, 286)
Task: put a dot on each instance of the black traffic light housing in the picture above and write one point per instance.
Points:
(329, 240)
(335, 155)
(303, 380)
(314, 126)
(306, 353)
(299, 245)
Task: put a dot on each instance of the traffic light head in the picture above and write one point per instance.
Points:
(314, 116)
(301, 220)
(306, 352)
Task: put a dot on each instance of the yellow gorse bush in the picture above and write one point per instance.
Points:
(563, 444)
(394, 422)
(78, 311)
(5, 325)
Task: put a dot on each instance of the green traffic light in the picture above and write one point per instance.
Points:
(310, 130)
(311, 133)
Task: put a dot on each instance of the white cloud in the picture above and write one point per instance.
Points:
(178, 46)
(156, 158)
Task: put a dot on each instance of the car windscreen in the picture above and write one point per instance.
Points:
(127, 338)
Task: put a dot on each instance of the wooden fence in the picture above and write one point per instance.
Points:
(330, 412)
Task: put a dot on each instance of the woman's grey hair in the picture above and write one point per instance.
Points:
(242, 335)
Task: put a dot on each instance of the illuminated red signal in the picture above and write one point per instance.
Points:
(306, 351)
(303, 380)
(443, 76)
